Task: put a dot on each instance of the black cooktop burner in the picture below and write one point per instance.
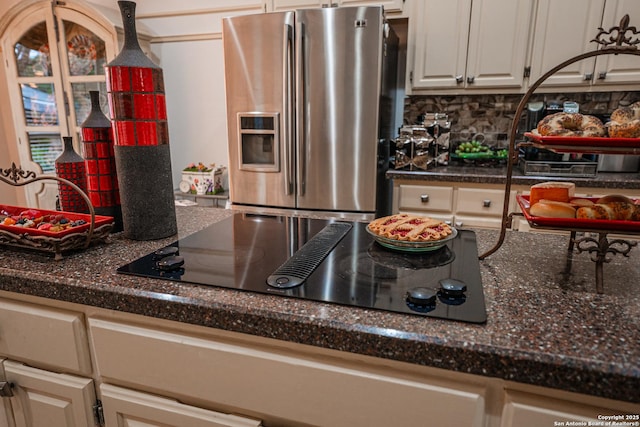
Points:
(242, 251)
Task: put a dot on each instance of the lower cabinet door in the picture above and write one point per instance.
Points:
(47, 399)
(126, 408)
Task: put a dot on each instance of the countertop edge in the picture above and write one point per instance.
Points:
(574, 375)
(479, 175)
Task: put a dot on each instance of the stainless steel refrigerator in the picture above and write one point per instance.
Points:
(310, 109)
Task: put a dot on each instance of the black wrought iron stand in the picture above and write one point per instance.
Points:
(619, 40)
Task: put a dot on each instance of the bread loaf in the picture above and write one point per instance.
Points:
(581, 202)
(613, 206)
(623, 207)
(552, 209)
(595, 212)
(557, 191)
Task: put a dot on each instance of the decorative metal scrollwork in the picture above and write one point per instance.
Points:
(621, 37)
(601, 247)
(16, 176)
(15, 173)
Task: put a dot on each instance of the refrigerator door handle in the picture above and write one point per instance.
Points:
(288, 122)
(300, 110)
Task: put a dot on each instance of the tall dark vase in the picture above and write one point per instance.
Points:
(70, 166)
(136, 97)
(100, 163)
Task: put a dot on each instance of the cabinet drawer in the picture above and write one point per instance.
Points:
(44, 337)
(473, 201)
(473, 221)
(426, 198)
(274, 384)
(127, 407)
(524, 409)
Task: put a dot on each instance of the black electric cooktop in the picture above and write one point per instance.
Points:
(244, 251)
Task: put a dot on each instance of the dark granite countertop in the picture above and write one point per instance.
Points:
(546, 326)
(497, 175)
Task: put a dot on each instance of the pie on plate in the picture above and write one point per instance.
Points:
(410, 228)
(411, 233)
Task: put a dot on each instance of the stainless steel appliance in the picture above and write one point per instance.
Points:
(310, 104)
(244, 251)
(618, 163)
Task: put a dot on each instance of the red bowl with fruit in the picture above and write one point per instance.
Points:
(42, 222)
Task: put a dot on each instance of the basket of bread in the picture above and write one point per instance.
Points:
(554, 204)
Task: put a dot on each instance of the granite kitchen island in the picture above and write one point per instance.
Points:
(546, 327)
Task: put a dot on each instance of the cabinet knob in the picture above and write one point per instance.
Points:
(424, 198)
(459, 79)
(602, 75)
(588, 76)
(486, 203)
(6, 389)
(470, 79)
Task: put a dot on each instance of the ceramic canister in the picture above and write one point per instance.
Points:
(135, 89)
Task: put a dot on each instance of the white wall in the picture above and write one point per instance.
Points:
(194, 86)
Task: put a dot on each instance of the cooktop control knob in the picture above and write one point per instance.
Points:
(170, 263)
(421, 300)
(452, 288)
(165, 252)
(421, 296)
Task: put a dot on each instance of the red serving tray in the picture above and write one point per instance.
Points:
(581, 141)
(595, 145)
(578, 224)
(15, 210)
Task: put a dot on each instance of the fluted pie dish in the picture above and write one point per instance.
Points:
(411, 233)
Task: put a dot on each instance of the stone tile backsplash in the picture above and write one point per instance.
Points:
(492, 115)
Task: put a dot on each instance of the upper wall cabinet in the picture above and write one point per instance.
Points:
(279, 5)
(618, 69)
(469, 44)
(564, 29)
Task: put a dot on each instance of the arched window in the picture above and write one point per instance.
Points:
(55, 54)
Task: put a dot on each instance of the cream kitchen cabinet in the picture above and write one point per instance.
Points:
(613, 70)
(123, 407)
(45, 337)
(481, 207)
(154, 372)
(280, 5)
(534, 406)
(463, 205)
(55, 388)
(283, 386)
(42, 398)
(564, 29)
(468, 44)
(432, 200)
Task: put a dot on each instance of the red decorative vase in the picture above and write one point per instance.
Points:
(135, 90)
(70, 166)
(100, 163)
